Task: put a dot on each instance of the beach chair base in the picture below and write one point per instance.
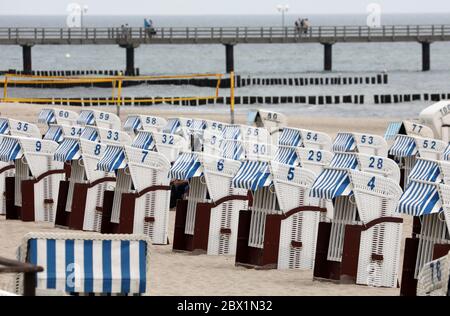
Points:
(409, 282)
(346, 271)
(62, 216)
(198, 242)
(26, 211)
(12, 211)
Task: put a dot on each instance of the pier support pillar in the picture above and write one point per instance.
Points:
(26, 54)
(328, 56)
(426, 56)
(130, 61)
(229, 57)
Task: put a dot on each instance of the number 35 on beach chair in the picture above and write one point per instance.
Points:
(83, 264)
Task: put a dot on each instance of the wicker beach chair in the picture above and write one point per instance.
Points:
(274, 122)
(426, 197)
(136, 123)
(353, 245)
(86, 184)
(207, 219)
(31, 193)
(87, 264)
(100, 119)
(140, 202)
(50, 116)
(434, 279)
(360, 143)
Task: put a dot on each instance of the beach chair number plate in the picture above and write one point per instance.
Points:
(376, 163)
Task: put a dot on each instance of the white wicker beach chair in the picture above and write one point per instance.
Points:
(410, 128)
(140, 201)
(434, 277)
(86, 184)
(424, 198)
(100, 119)
(57, 116)
(136, 123)
(272, 121)
(170, 145)
(31, 193)
(357, 203)
(86, 264)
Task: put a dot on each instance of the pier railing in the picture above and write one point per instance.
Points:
(224, 35)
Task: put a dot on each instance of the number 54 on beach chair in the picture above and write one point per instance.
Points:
(86, 264)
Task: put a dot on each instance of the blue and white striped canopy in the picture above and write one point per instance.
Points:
(231, 132)
(290, 137)
(392, 130)
(232, 149)
(172, 126)
(344, 161)
(330, 184)
(404, 146)
(344, 142)
(68, 150)
(252, 175)
(47, 116)
(144, 140)
(286, 155)
(446, 155)
(132, 124)
(90, 133)
(54, 133)
(420, 199)
(186, 167)
(10, 149)
(86, 118)
(196, 125)
(90, 266)
(113, 159)
(4, 126)
(425, 170)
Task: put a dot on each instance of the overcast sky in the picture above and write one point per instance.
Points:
(192, 7)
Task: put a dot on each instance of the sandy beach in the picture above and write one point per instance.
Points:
(186, 274)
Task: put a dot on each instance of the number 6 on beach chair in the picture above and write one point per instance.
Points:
(86, 264)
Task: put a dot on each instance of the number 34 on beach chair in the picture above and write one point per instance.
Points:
(86, 264)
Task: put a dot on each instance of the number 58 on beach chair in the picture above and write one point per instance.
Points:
(86, 264)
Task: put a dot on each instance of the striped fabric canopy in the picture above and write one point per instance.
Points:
(286, 155)
(344, 161)
(68, 150)
(90, 133)
(90, 266)
(425, 170)
(344, 142)
(10, 149)
(46, 116)
(404, 146)
(231, 132)
(54, 133)
(232, 149)
(144, 140)
(172, 126)
(86, 118)
(195, 125)
(392, 130)
(330, 184)
(446, 155)
(252, 175)
(113, 159)
(186, 167)
(420, 199)
(290, 137)
(132, 124)
(4, 126)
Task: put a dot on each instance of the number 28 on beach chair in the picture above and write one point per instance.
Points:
(427, 199)
(83, 264)
(362, 243)
(141, 199)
